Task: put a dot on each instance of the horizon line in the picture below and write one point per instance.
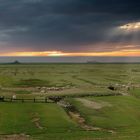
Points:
(121, 53)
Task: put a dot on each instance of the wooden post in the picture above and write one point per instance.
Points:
(22, 100)
(46, 100)
(34, 100)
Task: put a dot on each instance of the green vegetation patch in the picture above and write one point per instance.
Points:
(32, 83)
(30, 118)
(23, 92)
(135, 92)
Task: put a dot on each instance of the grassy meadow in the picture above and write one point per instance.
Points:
(116, 117)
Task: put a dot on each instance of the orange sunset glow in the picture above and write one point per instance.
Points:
(133, 52)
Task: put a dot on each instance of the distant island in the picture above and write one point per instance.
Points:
(15, 62)
(93, 62)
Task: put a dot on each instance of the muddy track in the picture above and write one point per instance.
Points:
(75, 116)
(36, 121)
(15, 137)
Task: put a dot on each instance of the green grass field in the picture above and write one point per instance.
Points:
(122, 115)
(50, 121)
(41, 121)
(19, 118)
(67, 74)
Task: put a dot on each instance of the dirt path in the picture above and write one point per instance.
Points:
(15, 137)
(81, 121)
(124, 93)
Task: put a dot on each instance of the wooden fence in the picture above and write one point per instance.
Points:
(34, 100)
(53, 99)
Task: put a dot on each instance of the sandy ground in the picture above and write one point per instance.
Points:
(93, 104)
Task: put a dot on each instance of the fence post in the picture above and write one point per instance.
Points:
(34, 100)
(45, 100)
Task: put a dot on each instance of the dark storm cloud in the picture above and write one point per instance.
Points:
(67, 25)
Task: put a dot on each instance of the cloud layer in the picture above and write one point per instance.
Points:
(68, 26)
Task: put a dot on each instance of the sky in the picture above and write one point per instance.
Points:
(70, 28)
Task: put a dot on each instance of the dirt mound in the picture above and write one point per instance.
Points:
(93, 104)
(36, 120)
